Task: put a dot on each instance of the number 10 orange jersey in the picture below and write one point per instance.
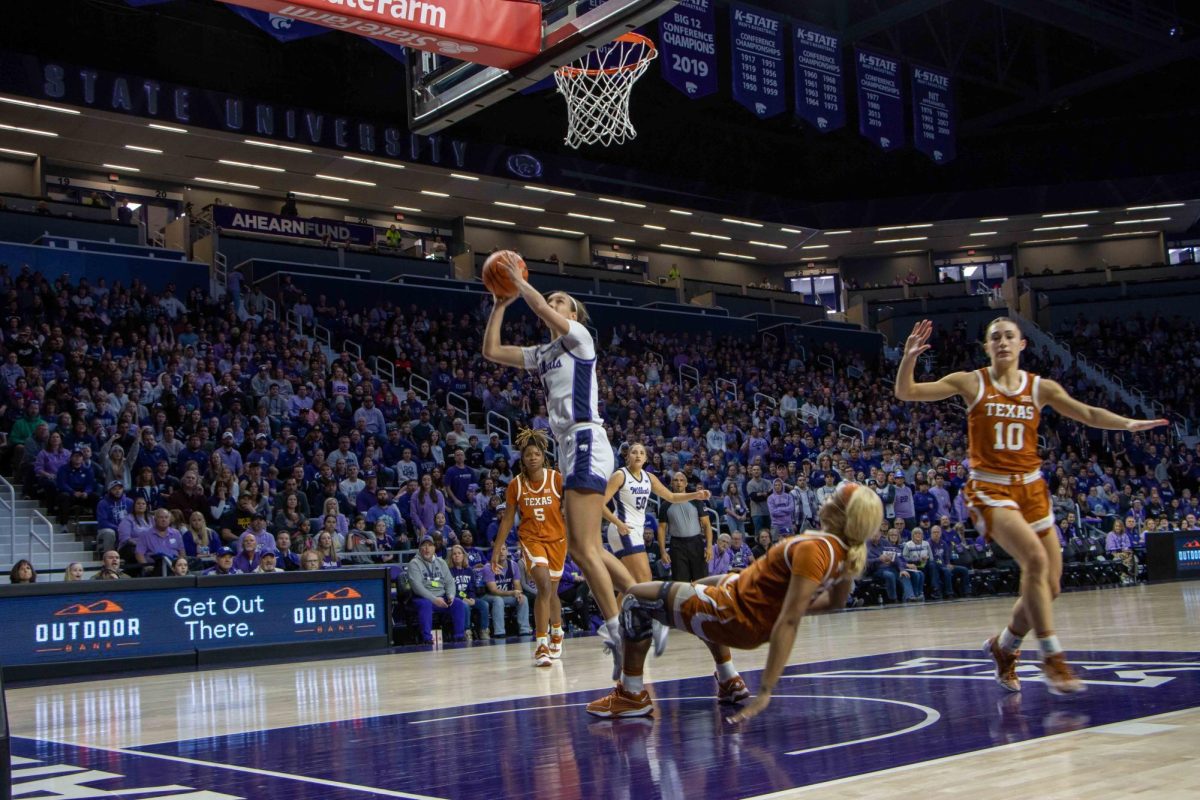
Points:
(1002, 428)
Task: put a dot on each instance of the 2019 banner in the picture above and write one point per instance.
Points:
(758, 42)
(933, 114)
(820, 98)
(687, 41)
(880, 108)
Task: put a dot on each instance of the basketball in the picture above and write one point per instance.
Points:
(495, 273)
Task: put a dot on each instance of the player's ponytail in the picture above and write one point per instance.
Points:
(852, 515)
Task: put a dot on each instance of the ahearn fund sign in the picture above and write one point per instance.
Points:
(55, 624)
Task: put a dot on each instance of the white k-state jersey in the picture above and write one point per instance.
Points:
(567, 367)
(631, 500)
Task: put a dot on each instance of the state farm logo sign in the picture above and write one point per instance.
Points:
(334, 611)
(87, 628)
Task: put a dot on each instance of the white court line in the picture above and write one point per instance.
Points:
(788, 793)
(931, 716)
(251, 770)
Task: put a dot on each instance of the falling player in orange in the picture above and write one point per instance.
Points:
(536, 494)
(799, 575)
(1007, 498)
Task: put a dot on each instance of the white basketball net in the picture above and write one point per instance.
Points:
(597, 90)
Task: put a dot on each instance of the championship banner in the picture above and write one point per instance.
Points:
(757, 60)
(933, 114)
(687, 41)
(498, 33)
(880, 109)
(246, 221)
(283, 29)
(820, 98)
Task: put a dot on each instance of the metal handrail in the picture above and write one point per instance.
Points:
(270, 306)
(498, 424)
(351, 346)
(768, 399)
(854, 372)
(464, 407)
(862, 437)
(827, 361)
(11, 505)
(49, 545)
(729, 384)
(323, 335)
(294, 320)
(419, 384)
(774, 340)
(688, 371)
(385, 368)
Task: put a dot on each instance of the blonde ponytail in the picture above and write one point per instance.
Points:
(852, 513)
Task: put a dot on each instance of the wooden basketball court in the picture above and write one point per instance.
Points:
(878, 703)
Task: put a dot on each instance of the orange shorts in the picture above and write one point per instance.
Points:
(710, 613)
(551, 555)
(1031, 500)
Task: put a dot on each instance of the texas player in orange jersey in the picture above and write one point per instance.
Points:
(804, 574)
(1006, 495)
(536, 494)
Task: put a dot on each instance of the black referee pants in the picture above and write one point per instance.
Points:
(687, 559)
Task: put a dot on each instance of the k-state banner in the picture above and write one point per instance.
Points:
(757, 60)
(933, 114)
(820, 98)
(880, 109)
(687, 39)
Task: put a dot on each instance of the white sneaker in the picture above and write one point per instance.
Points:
(659, 633)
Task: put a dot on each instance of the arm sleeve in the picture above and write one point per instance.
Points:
(529, 354)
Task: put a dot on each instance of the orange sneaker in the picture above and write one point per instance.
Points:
(1006, 664)
(1060, 678)
(541, 656)
(620, 703)
(732, 691)
(556, 641)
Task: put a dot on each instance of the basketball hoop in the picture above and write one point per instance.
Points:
(597, 87)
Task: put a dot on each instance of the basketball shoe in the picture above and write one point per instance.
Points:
(620, 703)
(1006, 664)
(731, 691)
(541, 656)
(1060, 678)
(556, 644)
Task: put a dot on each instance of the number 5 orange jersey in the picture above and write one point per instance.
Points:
(539, 507)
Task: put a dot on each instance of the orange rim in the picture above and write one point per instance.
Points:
(627, 38)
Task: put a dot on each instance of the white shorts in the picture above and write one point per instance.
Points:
(623, 546)
(585, 458)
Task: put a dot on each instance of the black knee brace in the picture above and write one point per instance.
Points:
(638, 615)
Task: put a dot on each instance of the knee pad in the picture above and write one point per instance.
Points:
(638, 616)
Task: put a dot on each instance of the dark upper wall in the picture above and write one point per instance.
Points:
(1086, 255)
(885, 269)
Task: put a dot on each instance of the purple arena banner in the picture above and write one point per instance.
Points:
(758, 46)
(933, 114)
(246, 221)
(687, 41)
(880, 107)
(820, 96)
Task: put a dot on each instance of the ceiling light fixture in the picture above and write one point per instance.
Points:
(577, 215)
(1069, 214)
(814, 247)
(561, 230)
(1048, 241)
(995, 219)
(546, 190)
(25, 153)
(679, 211)
(905, 227)
(247, 165)
(738, 255)
(684, 248)
(518, 205)
(463, 177)
(984, 233)
(490, 221)
(344, 180)
(624, 239)
(1159, 205)
(1140, 221)
(654, 227)
(30, 131)
(375, 162)
(289, 148)
(167, 128)
(321, 196)
(732, 221)
(138, 148)
(1062, 227)
(121, 167)
(791, 230)
(769, 244)
(12, 101)
(906, 239)
(409, 209)
(613, 201)
(835, 233)
(704, 235)
(1130, 233)
(216, 182)
(432, 193)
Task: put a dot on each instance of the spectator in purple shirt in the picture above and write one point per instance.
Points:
(457, 480)
(782, 508)
(427, 503)
(111, 509)
(504, 589)
(229, 455)
(743, 556)
(722, 557)
(161, 541)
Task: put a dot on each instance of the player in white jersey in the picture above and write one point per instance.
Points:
(632, 487)
(567, 368)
